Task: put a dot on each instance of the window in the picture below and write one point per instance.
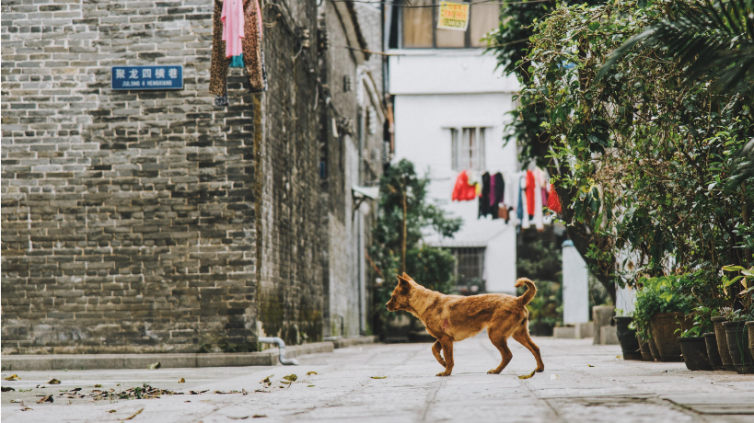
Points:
(469, 270)
(467, 149)
(420, 26)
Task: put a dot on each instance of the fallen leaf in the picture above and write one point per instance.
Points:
(48, 398)
(40, 386)
(238, 418)
(182, 380)
(134, 414)
(311, 373)
(6, 389)
(153, 366)
(24, 390)
(310, 386)
(379, 377)
(590, 365)
(111, 411)
(257, 416)
(243, 391)
(529, 376)
(266, 381)
(98, 386)
(618, 356)
(26, 408)
(13, 377)
(17, 401)
(54, 381)
(291, 378)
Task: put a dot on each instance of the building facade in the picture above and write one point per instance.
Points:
(156, 221)
(450, 109)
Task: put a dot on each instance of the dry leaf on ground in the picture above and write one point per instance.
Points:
(291, 378)
(590, 365)
(529, 376)
(111, 411)
(134, 415)
(54, 381)
(182, 380)
(13, 377)
(153, 366)
(26, 409)
(311, 373)
(48, 398)
(310, 386)
(6, 389)
(257, 416)
(379, 377)
(98, 386)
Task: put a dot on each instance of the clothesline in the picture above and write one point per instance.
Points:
(499, 195)
(436, 5)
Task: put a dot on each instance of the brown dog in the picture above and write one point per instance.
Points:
(451, 318)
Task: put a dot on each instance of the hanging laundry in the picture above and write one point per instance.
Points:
(219, 63)
(530, 187)
(253, 55)
(484, 199)
(237, 61)
(553, 202)
(497, 191)
(462, 191)
(251, 51)
(493, 203)
(233, 26)
(538, 213)
(523, 214)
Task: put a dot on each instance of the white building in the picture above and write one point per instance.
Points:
(446, 94)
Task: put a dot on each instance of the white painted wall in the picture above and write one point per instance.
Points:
(437, 90)
(575, 286)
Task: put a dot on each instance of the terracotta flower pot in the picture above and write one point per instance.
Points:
(722, 343)
(738, 345)
(627, 338)
(695, 353)
(664, 326)
(714, 355)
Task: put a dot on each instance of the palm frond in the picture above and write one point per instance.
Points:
(712, 40)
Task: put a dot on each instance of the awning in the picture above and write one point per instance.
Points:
(372, 193)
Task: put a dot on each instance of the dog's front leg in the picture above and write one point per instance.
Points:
(447, 350)
(436, 348)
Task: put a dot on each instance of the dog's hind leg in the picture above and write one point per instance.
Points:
(522, 336)
(447, 350)
(436, 348)
(498, 339)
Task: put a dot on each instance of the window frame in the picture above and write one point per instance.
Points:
(435, 10)
(457, 137)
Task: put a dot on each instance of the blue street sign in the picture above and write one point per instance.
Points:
(166, 77)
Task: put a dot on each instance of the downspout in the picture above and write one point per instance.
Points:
(281, 348)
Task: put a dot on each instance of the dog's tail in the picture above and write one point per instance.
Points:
(531, 290)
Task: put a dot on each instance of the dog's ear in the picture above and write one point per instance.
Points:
(403, 281)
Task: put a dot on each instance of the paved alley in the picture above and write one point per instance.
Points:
(396, 383)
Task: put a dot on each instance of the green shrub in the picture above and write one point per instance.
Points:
(664, 294)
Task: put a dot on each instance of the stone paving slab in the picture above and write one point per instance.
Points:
(344, 389)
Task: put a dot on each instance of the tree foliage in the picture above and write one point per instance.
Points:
(647, 148)
(430, 266)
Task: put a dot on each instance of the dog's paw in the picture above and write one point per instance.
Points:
(442, 374)
(540, 370)
(494, 372)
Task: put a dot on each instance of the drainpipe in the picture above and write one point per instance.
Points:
(281, 347)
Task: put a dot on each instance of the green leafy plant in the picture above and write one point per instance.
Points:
(662, 294)
(746, 281)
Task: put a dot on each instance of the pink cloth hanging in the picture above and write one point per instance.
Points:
(233, 27)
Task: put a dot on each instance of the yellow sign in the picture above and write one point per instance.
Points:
(453, 16)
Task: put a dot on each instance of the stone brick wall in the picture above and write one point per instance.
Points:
(153, 221)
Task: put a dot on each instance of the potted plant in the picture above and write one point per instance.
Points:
(664, 305)
(646, 306)
(693, 345)
(722, 340)
(627, 336)
(736, 332)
